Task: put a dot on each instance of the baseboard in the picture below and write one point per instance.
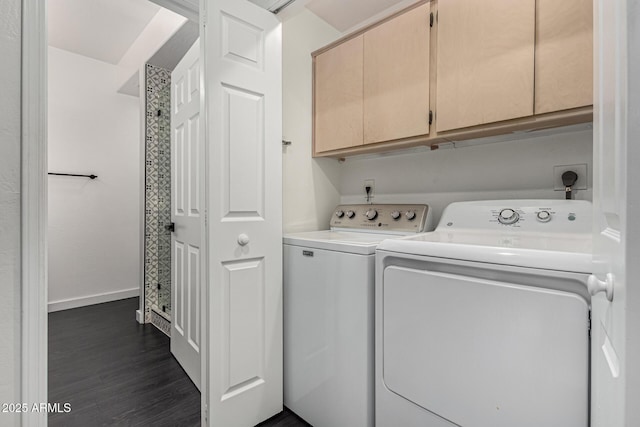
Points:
(139, 317)
(92, 299)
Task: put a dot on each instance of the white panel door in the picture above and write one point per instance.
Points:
(616, 318)
(187, 198)
(242, 73)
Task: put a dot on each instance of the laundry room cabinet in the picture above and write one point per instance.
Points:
(485, 62)
(338, 81)
(564, 55)
(396, 77)
(374, 87)
(454, 70)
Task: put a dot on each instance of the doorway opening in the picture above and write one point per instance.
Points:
(255, 98)
(110, 270)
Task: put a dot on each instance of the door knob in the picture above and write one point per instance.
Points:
(596, 285)
(243, 239)
(170, 227)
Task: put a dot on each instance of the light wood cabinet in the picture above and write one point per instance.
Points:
(485, 68)
(338, 85)
(485, 62)
(564, 55)
(396, 77)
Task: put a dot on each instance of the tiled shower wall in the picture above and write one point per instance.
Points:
(157, 263)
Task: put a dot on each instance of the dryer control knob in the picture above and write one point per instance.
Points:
(411, 215)
(396, 215)
(339, 214)
(508, 216)
(350, 214)
(543, 216)
(371, 214)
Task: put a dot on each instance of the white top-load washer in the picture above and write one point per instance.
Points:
(485, 322)
(328, 312)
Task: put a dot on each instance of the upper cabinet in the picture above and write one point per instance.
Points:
(564, 55)
(338, 81)
(396, 77)
(452, 70)
(485, 61)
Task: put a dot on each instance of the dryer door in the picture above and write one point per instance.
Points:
(486, 353)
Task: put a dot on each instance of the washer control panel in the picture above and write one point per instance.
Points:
(384, 218)
(520, 215)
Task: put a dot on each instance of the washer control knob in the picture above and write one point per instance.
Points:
(410, 215)
(339, 214)
(508, 216)
(350, 214)
(396, 215)
(371, 214)
(543, 216)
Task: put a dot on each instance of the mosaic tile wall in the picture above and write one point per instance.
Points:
(157, 195)
(161, 323)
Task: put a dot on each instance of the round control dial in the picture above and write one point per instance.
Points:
(508, 216)
(351, 214)
(339, 214)
(543, 216)
(371, 214)
(410, 215)
(395, 215)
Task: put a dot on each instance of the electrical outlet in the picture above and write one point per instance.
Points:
(580, 169)
(369, 183)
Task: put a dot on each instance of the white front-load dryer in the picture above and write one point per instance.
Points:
(486, 322)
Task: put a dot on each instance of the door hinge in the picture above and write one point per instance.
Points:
(589, 324)
(431, 19)
(430, 117)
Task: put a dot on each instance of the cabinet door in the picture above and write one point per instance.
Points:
(338, 96)
(564, 55)
(485, 61)
(396, 77)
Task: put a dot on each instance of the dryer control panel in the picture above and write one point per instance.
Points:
(549, 216)
(382, 218)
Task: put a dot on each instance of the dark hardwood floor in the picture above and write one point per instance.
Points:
(114, 371)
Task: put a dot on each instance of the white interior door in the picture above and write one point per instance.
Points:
(242, 73)
(187, 161)
(615, 322)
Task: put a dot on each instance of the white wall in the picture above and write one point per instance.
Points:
(503, 170)
(94, 228)
(10, 29)
(310, 186)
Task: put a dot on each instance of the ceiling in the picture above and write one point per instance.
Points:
(346, 14)
(100, 29)
(106, 29)
(272, 5)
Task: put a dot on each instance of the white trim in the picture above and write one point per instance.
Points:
(34, 209)
(142, 93)
(66, 304)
